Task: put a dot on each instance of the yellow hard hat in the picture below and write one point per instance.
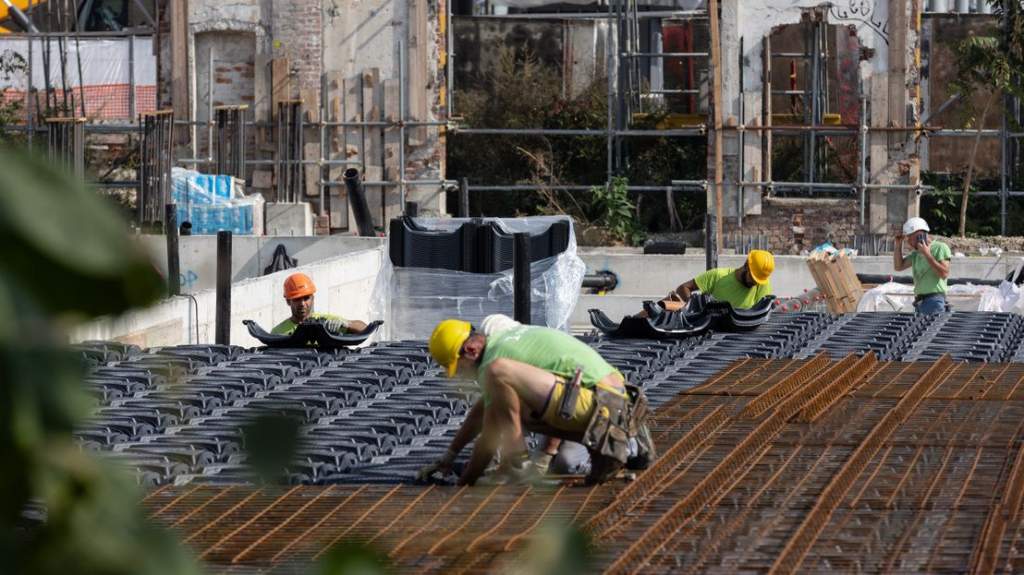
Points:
(446, 343)
(761, 265)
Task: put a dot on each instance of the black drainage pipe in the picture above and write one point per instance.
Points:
(357, 199)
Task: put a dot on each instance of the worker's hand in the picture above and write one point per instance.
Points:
(923, 246)
(673, 296)
(442, 466)
(541, 461)
(336, 326)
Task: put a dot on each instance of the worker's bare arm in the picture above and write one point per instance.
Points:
(683, 292)
(899, 263)
(470, 428)
(356, 326)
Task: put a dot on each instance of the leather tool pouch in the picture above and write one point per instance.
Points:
(608, 431)
(640, 410)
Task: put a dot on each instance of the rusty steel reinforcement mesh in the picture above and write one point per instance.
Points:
(771, 465)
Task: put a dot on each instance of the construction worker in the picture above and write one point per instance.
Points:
(929, 262)
(545, 381)
(298, 292)
(741, 287)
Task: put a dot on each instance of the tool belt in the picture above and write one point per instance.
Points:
(616, 419)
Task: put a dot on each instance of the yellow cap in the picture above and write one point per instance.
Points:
(761, 265)
(446, 343)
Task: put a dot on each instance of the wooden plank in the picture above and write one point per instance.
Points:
(336, 149)
(416, 80)
(311, 172)
(281, 84)
(179, 60)
(717, 104)
(392, 142)
(373, 146)
(353, 110)
(766, 108)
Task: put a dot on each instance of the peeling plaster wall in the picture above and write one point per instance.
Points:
(746, 23)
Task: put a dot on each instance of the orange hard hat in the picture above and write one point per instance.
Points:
(298, 285)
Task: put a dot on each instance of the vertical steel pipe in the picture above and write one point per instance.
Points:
(173, 254)
(222, 325)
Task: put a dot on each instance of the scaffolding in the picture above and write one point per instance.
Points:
(65, 144)
(627, 98)
(156, 143)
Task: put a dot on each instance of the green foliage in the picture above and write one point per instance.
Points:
(520, 92)
(64, 254)
(270, 442)
(940, 208)
(616, 212)
(12, 65)
(351, 558)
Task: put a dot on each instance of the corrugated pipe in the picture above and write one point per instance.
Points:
(357, 198)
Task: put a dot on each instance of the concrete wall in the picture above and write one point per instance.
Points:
(653, 276)
(250, 255)
(344, 287)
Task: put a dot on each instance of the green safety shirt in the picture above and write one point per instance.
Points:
(721, 284)
(288, 326)
(549, 349)
(926, 279)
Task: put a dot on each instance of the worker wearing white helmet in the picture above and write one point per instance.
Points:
(929, 262)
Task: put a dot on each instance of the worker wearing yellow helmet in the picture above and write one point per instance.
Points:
(542, 380)
(741, 287)
(299, 291)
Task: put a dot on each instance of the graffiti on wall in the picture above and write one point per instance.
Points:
(863, 12)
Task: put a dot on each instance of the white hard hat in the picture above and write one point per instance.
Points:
(915, 225)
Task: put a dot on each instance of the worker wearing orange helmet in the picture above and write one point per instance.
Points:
(741, 287)
(299, 290)
(545, 381)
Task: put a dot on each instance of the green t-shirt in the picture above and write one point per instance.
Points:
(926, 279)
(721, 283)
(287, 326)
(549, 349)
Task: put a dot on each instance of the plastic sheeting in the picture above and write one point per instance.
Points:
(411, 301)
(898, 297)
(212, 203)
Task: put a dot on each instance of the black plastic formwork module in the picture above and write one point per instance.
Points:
(478, 246)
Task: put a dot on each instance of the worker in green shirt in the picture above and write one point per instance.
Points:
(741, 287)
(299, 292)
(929, 262)
(545, 381)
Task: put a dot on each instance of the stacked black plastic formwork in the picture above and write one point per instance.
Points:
(378, 414)
(179, 413)
(968, 336)
(423, 284)
(889, 335)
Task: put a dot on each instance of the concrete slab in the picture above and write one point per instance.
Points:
(289, 219)
(250, 254)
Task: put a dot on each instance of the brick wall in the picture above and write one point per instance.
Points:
(296, 35)
(795, 224)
